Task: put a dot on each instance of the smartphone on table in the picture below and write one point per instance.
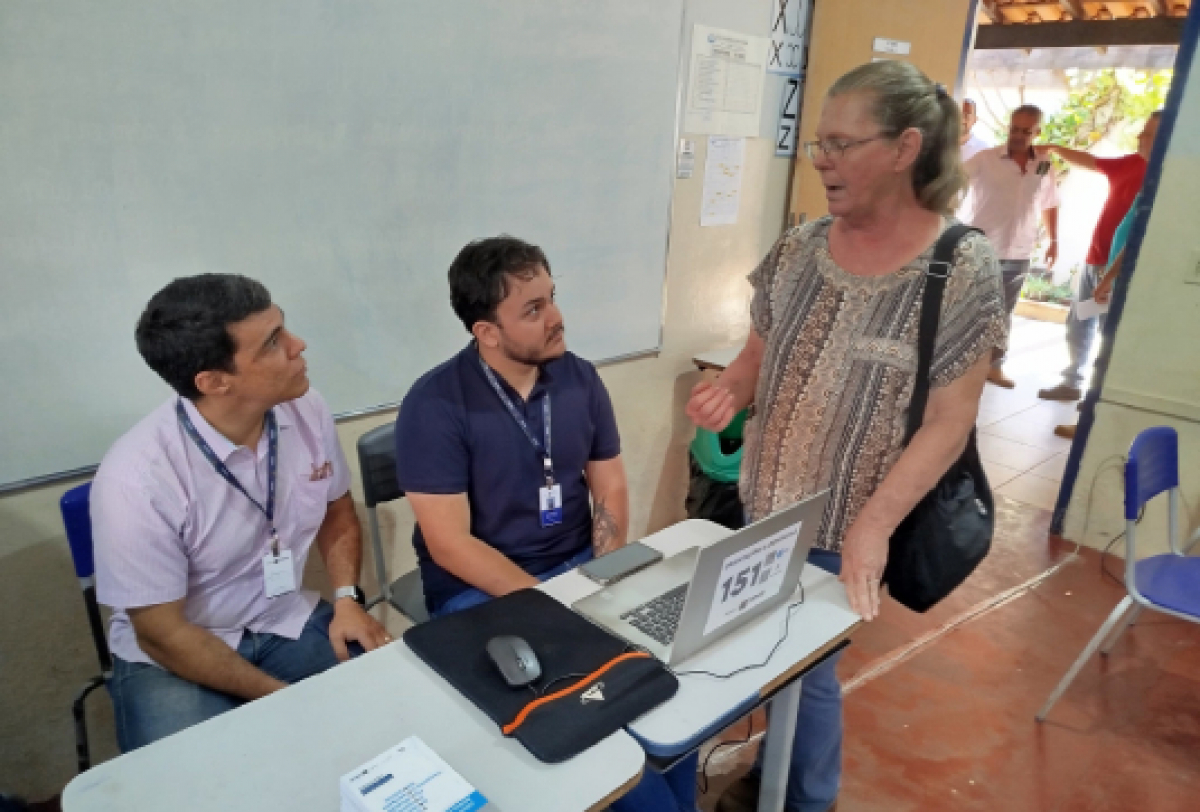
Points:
(612, 567)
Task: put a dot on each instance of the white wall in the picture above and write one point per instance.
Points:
(45, 651)
(1154, 378)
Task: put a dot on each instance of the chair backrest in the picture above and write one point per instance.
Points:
(377, 461)
(1152, 467)
(77, 520)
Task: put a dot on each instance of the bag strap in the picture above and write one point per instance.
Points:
(936, 273)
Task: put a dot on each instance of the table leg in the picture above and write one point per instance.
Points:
(777, 761)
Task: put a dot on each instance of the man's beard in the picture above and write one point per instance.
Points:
(534, 357)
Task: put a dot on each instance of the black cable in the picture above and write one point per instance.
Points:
(702, 775)
(1103, 555)
(1100, 469)
(545, 688)
(1103, 565)
(787, 626)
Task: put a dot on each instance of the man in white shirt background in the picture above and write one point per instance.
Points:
(1011, 190)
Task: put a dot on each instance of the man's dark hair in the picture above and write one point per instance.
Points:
(1028, 110)
(184, 329)
(479, 275)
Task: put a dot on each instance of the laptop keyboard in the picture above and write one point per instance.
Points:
(659, 618)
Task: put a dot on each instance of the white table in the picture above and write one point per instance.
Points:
(287, 751)
(717, 359)
(705, 705)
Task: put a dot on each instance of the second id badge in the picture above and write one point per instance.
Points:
(279, 576)
(550, 505)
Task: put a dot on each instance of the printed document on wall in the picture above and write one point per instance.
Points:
(726, 83)
(722, 181)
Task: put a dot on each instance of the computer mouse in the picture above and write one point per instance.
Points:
(515, 659)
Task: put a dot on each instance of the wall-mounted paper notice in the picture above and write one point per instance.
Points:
(726, 83)
(788, 21)
(722, 181)
(789, 118)
(686, 164)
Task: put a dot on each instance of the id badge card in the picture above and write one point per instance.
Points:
(550, 505)
(279, 576)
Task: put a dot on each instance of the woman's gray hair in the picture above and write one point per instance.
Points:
(905, 98)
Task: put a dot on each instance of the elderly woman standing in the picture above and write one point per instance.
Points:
(831, 362)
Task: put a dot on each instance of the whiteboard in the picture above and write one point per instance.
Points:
(340, 151)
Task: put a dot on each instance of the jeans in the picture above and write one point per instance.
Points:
(475, 597)
(1013, 273)
(151, 703)
(672, 791)
(1080, 334)
(816, 770)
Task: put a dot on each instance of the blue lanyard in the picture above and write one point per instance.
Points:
(543, 450)
(227, 475)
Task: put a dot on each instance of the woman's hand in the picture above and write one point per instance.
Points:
(711, 406)
(864, 555)
(1103, 291)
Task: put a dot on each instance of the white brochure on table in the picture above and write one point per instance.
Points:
(409, 777)
(725, 86)
(722, 192)
(751, 576)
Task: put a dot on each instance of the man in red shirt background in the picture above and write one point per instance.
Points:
(1125, 176)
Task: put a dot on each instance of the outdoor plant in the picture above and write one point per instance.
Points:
(1043, 289)
(1110, 103)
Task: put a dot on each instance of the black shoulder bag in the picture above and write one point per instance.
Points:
(949, 532)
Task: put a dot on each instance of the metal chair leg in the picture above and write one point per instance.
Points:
(1088, 651)
(83, 755)
(1130, 618)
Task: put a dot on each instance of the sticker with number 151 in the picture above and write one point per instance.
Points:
(750, 576)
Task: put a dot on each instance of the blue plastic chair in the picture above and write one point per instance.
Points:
(74, 506)
(1168, 583)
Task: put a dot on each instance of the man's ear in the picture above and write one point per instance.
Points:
(487, 333)
(213, 382)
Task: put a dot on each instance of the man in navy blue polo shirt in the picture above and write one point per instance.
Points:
(510, 456)
(508, 452)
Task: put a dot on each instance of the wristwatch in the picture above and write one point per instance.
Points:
(350, 592)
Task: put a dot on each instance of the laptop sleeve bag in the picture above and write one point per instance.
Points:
(592, 683)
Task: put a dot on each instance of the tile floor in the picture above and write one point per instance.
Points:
(939, 708)
(949, 725)
(1023, 458)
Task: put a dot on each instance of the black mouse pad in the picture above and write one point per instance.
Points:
(592, 684)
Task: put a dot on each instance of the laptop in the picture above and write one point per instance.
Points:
(690, 600)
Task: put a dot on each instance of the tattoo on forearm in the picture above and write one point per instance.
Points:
(605, 529)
